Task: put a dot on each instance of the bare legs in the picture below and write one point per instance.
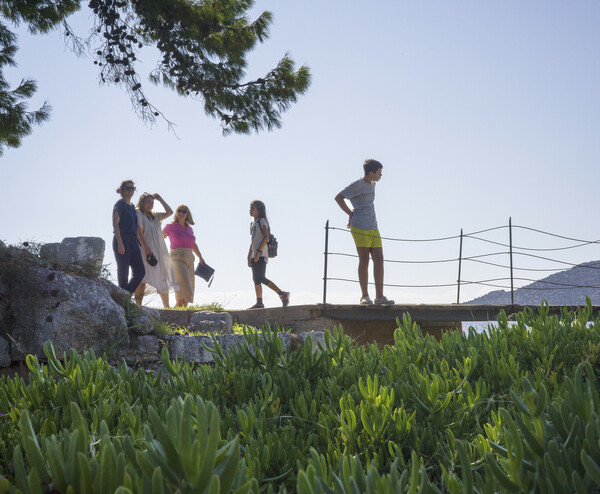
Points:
(271, 285)
(139, 294)
(165, 300)
(376, 254)
(141, 290)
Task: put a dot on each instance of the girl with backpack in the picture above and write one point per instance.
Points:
(258, 255)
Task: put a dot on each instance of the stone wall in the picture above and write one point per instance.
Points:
(73, 308)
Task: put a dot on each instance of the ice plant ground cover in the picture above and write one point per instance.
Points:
(514, 409)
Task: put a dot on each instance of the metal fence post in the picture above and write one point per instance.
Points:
(512, 287)
(459, 266)
(325, 267)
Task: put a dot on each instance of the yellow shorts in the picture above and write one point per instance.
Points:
(366, 238)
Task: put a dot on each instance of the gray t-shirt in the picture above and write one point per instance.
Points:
(362, 196)
(258, 236)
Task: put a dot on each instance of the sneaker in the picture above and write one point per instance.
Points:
(383, 301)
(285, 298)
(366, 301)
(257, 306)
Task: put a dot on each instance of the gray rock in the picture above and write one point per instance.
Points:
(317, 338)
(86, 253)
(3, 301)
(139, 322)
(208, 321)
(49, 251)
(191, 348)
(70, 311)
(152, 313)
(148, 344)
(286, 341)
(232, 341)
(4, 353)
(144, 349)
(120, 296)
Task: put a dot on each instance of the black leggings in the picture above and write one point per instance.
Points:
(258, 271)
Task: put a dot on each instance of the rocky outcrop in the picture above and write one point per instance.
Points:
(73, 310)
(82, 254)
(70, 311)
(568, 287)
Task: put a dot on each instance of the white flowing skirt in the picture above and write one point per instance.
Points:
(159, 278)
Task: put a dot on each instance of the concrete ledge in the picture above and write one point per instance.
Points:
(368, 323)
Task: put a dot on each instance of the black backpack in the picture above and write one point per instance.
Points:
(272, 245)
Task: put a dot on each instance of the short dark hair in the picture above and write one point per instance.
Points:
(371, 165)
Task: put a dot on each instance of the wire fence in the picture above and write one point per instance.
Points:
(515, 268)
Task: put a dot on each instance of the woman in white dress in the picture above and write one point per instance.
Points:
(160, 276)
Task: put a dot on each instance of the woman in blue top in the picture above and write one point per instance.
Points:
(125, 242)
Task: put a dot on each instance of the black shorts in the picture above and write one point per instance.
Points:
(258, 271)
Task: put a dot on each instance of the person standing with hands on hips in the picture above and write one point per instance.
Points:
(125, 242)
(258, 255)
(363, 225)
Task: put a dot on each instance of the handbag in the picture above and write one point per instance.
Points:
(205, 272)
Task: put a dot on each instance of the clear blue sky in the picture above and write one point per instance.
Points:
(477, 110)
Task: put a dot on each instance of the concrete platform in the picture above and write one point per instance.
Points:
(366, 324)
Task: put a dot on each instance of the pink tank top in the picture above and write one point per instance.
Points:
(179, 237)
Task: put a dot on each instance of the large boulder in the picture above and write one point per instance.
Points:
(84, 254)
(208, 321)
(70, 311)
(3, 301)
(4, 353)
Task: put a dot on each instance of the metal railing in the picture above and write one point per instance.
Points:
(513, 251)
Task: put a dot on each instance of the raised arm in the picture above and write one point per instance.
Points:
(168, 211)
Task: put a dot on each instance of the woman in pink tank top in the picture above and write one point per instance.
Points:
(183, 247)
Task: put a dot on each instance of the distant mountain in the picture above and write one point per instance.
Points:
(553, 289)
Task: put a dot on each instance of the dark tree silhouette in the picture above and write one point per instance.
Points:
(202, 44)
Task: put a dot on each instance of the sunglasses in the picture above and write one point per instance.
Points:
(182, 211)
(128, 187)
